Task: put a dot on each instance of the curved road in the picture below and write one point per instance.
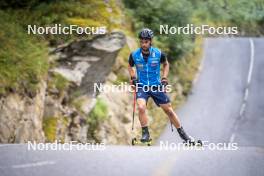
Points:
(226, 105)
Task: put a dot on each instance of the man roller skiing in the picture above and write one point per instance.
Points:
(147, 60)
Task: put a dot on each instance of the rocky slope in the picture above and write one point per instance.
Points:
(21, 117)
(62, 113)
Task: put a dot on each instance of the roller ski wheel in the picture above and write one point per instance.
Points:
(139, 142)
(197, 143)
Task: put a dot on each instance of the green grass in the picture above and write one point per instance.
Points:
(246, 15)
(50, 128)
(98, 113)
(96, 116)
(59, 82)
(187, 67)
(77, 103)
(23, 59)
(68, 12)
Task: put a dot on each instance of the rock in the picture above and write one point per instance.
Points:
(21, 117)
(123, 71)
(83, 63)
(52, 107)
(88, 104)
(110, 43)
(86, 62)
(86, 58)
(111, 77)
(54, 91)
(75, 75)
(78, 129)
(116, 129)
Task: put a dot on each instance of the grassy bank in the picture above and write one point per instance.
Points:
(23, 59)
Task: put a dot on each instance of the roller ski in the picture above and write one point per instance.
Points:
(145, 139)
(135, 141)
(188, 140)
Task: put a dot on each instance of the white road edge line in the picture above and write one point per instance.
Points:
(242, 109)
(243, 106)
(251, 65)
(232, 138)
(36, 164)
(251, 61)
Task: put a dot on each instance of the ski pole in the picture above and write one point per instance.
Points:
(134, 108)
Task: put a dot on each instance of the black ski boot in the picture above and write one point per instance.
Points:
(184, 136)
(145, 135)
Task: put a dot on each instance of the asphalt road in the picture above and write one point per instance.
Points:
(226, 105)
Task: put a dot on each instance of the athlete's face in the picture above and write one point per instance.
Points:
(145, 44)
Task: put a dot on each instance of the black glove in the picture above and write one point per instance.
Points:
(164, 81)
(133, 81)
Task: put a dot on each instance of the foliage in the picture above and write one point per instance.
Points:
(152, 14)
(50, 128)
(96, 116)
(248, 16)
(23, 59)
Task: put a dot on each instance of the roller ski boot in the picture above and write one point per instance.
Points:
(188, 140)
(145, 139)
